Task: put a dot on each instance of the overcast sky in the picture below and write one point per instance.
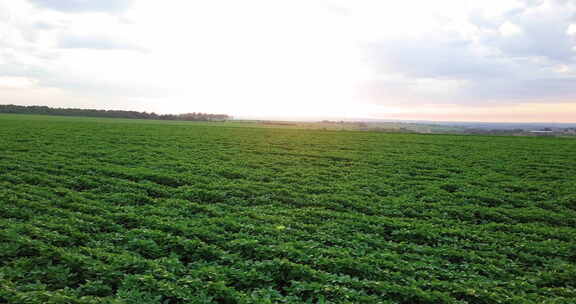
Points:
(436, 60)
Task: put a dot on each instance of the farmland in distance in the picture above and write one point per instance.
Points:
(128, 211)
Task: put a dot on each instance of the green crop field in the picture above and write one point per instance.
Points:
(128, 211)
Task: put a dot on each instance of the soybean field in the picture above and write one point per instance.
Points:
(96, 210)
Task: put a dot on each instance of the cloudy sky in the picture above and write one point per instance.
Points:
(500, 60)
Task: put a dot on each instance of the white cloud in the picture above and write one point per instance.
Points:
(76, 6)
(563, 68)
(509, 29)
(17, 82)
(433, 85)
(571, 30)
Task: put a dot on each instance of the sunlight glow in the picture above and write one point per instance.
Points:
(258, 58)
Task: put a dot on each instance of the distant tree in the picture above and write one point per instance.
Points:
(43, 110)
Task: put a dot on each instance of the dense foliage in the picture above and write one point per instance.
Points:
(44, 110)
(100, 212)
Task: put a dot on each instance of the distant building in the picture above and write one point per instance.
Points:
(542, 132)
(571, 131)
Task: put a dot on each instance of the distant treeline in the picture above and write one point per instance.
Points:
(109, 113)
